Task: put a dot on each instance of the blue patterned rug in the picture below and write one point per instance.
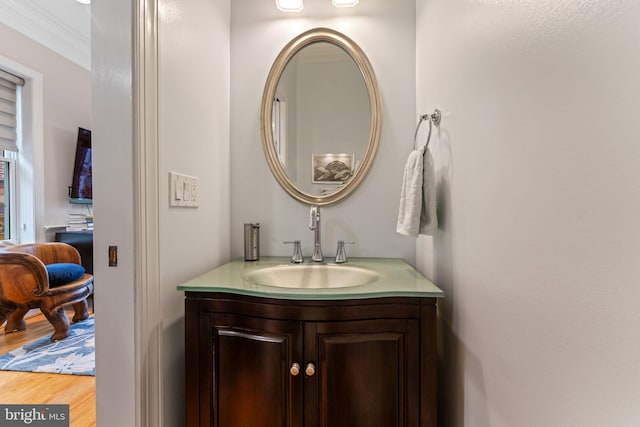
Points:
(74, 355)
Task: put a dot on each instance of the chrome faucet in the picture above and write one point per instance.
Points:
(296, 257)
(314, 224)
(341, 254)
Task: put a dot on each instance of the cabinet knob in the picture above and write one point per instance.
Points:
(295, 369)
(310, 370)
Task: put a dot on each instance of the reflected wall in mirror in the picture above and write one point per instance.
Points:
(321, 117)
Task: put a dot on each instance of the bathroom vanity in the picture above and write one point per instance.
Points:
(271, 343)
(332, 355)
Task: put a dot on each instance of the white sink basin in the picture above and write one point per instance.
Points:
(311, 276)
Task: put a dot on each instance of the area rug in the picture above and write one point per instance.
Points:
(74, 355)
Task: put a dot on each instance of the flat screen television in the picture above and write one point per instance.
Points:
(81, 190)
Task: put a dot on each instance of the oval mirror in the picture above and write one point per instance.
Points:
(320, 117)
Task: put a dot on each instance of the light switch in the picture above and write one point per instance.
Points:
(179, 193)
(194, 192)
(183, 190)
(187, 191)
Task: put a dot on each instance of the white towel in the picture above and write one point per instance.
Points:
(417, 213)
(428, 213)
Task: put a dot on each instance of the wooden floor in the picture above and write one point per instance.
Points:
(79, 392)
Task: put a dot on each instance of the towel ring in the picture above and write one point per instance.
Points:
(434, 119)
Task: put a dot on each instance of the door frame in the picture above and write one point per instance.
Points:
(148, 363)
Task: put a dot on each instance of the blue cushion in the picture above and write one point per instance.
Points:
(63, 273)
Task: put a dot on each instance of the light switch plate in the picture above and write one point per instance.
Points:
(183, 190)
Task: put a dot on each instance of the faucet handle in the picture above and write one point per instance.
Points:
(341, 254)
(314, 217)
(296, 257)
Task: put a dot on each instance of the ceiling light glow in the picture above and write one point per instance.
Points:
(289, 5)
(344, 3)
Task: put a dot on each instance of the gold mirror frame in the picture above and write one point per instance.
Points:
(375, 103)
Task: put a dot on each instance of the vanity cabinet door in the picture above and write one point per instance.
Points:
(359, 363)
(367, 373)
(250, 372)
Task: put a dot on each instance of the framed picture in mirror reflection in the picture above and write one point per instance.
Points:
(329, 168)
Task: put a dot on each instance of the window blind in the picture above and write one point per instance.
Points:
(8, 110)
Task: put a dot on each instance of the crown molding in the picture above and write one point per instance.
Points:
(51, 27)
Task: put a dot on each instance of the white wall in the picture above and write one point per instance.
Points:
(194, 140)
(193, 135)
(539, 190)
(386, 32)
(66, 106)
(113, 162)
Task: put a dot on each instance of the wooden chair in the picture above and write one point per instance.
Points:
(24, 284)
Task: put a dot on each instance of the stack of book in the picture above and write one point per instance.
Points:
(79, 222)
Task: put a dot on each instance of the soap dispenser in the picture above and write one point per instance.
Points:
(252, 242)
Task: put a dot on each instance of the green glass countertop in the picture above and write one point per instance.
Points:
(395, 278)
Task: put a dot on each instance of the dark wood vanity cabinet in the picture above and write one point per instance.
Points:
(259, 362)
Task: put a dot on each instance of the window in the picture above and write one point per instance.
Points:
(7, 198)
(10, 128)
